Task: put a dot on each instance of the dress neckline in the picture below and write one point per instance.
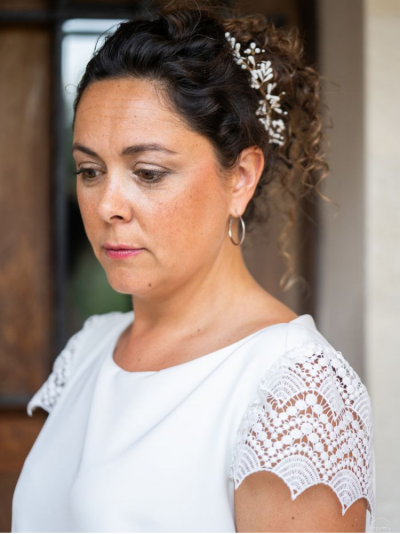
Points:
(305, 319)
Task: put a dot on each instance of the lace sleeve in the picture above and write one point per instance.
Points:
(311, 423)
(46, 397)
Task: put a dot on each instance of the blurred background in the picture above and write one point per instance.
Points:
(349, 257)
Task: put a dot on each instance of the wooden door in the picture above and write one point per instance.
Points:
(26, 282)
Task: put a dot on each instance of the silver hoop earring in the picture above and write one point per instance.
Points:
(243, 230)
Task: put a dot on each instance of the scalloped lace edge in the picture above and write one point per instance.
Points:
(245, 460)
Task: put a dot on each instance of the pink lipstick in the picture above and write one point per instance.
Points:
(120, 251)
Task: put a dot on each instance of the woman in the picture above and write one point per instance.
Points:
(212, 407)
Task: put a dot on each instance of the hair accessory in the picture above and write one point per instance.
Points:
(262, 72)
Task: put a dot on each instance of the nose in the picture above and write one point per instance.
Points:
(114, 202)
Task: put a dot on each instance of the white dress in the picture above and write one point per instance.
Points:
(163, 451)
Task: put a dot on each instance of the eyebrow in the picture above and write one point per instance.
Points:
(127, 151)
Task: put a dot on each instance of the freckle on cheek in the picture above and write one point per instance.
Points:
(150, 285)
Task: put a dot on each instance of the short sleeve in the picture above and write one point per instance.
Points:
(48, 394)
(310, 423)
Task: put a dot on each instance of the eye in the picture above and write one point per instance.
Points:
(87, 173)
(150, 176)
(147, 175)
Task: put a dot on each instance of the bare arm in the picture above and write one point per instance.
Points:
(263, 504)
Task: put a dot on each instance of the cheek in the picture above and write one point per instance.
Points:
(87, 208)
(195, 215)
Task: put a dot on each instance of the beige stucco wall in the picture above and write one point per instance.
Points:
(382, 319)
(359, 288)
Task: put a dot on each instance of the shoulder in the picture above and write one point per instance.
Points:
(270, 345)
(95, 331)
(92, 333)
(309, 422)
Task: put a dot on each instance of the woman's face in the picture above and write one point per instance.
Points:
(151, 183)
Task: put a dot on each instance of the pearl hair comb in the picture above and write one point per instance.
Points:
(262, 72)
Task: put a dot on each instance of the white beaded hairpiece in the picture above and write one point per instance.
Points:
(262, 72)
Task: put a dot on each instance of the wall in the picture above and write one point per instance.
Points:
(382, 79)
(341, 291)
(359, 261)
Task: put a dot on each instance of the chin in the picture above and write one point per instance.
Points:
(129, 284)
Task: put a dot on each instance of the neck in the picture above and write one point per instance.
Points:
(210, 294)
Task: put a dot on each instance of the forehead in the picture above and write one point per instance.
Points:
(113, 110)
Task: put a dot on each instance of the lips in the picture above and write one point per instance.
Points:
(110, 246)
(121, 253)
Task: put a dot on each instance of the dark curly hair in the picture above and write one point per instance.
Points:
(183, 47)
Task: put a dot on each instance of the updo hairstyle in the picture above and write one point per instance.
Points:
(184, 49)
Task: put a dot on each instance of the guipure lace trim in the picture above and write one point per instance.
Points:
(311, 423)
(48, 394)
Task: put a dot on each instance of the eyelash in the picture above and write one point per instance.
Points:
(158, 174)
